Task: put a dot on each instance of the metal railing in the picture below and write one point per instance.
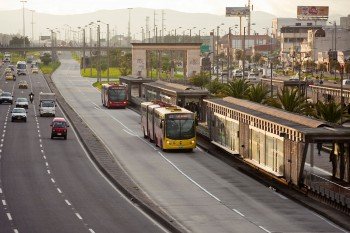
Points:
(327, 189)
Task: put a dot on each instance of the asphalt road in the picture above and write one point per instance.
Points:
(201, 192)
(51, 185)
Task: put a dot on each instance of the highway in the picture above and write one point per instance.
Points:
(201, 192)
(51, 185)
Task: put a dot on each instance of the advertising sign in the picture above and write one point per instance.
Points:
(312, 12)
(237, 11)
(45, 37)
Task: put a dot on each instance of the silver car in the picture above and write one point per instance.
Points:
(22, 103)
(18, 114)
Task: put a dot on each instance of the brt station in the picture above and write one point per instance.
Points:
(275, 141)
(327, 93)
(278, 84)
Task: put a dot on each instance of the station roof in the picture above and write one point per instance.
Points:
(313, 129)
(135, 79)
(177, 89)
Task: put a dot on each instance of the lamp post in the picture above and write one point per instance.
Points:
(191, 34)
(24, 27)
(217, 49)
(129, 30)
(199, 34)
(32, 25)
(175, 34)
(99, 21)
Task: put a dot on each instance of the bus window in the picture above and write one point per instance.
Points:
(180, 128)
(117, 94)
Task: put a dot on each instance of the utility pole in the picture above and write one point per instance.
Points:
(147, 29)
(99, 54)
(84, 48)
(217, 51)
(163, 19)
(107, 52)
(129, 30)
(154, 23)
(243, 47)
(24, 25)
(249, 18)
(229, 53)
(90, 51)
(32, 26)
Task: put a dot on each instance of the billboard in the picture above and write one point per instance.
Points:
(45, 37)
(312, 12)
(237, 11)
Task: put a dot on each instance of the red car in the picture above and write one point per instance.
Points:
(59, 128)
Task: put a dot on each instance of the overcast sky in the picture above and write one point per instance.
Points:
(281, 8)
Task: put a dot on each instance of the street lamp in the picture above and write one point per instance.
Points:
(24, 27)
(129, 30)
(99, 21)
(217, 49)
(191, 33)
(175, 34)
(32, 26)
(199, 34)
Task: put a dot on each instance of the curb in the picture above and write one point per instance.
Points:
(103, 159)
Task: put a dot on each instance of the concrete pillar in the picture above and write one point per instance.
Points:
(139, 62)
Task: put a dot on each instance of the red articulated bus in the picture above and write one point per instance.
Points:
(114, 95)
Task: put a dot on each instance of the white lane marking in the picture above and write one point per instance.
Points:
(0, 151)
(330, 223)
(40, 140)
(68, 203)
(3, 135)
(92, 231)
(39, 135)
(126, 131)
(198, 148)
(47, 164)
(1, 145)
(41, 145)
(52, 180)
(108, 181)
(42, 151)
(5, 123)
(0, 190)
(238, 212)
(3, 202)
(59, 190)
(15, 230)
(9, 216)
(4, 126)
(44, 156)
(189, 178)
(48, 171)
(280, 195)
(2, 139)
(4, 131)
(78, 215)
(265, 229)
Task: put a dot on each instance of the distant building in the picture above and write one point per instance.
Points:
(279, 23)
(237, 42)
(325, 40)
(291, 39)
(345, 22)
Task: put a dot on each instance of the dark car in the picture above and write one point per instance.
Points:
(59, 128)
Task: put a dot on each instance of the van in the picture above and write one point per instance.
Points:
(346, 82)
(21, 68)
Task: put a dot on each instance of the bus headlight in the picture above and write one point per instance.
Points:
(192, 141)
(167, 142)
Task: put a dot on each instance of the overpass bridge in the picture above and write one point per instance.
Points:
(61, 48)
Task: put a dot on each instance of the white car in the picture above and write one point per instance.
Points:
(22, 103)
(346, 82)
(253, 78)
(18, 114)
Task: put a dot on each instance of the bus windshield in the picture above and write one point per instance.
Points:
(117, 94)
(21, 66)
(180, 126)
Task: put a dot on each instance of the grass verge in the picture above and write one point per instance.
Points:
(114, 72)
(50, 68)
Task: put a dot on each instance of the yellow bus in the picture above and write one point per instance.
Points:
(170, 127)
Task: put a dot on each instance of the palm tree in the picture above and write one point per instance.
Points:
(330, 111)
(216, 88)
(290, 100)
(238, 88)
(258, 93)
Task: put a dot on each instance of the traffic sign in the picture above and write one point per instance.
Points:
(204, 48)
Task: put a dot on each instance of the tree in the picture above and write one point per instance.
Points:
(258, 93)
(290, 100)
(216, 88)
(256, 57)
(200, 80)
(46, 58)
(125, 64)
(238, 88)
(238, 54)
(104, 66)
(329, 111)
(18, 41)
